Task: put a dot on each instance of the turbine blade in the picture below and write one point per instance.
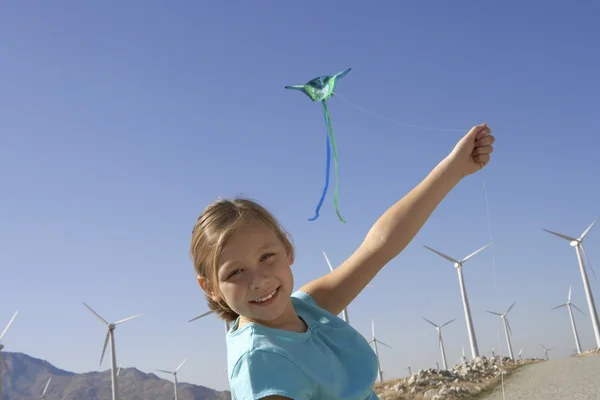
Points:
(577, 308)
(508, 326)
(118, 370)
(177, 369)
(380, 342)
(448, 322)
(562, 305)
(569, 299)
(588, 260)
(46, 387)
(96, 314)
(201, 315)
(588, 229)
(328, 263)
(510, 308)
(7, 326)
(126, 319)
(430, 322)
(165, 371)
(441, 254)
(104, 348)
(560, 235)
(473, 253)
(495, 313)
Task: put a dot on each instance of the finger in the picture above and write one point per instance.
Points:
(483, 150)
(483, 133)
(486, 141)
(482, 159)
(476, 130)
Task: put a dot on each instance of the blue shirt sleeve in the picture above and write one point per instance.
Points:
(262, 373)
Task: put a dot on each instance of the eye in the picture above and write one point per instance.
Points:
(265, 256)
(232, 273)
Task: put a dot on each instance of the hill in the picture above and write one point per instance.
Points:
(27, 377)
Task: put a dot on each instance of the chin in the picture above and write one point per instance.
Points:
(271, 311)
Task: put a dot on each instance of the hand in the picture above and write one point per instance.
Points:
(473, 151)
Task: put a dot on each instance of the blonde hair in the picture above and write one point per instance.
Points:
(214, 227)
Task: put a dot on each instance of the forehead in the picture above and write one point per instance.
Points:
(249, 239)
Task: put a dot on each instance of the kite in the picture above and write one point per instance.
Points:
(321, 89)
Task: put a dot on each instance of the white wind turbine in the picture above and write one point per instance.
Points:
(546, 353)
(458, 265)
(520, 356)
(440, 341)
(507, 329)
(110, 335)
(375, 341)
(569, 304)
(174, 373)
(345, 311)
(578, 244)
(43, 396)
(3, 363)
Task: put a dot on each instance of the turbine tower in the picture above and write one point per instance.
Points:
(174, 373)
(345, 311)
(441, 342)
(458, 265)
(43, 396)
(568, 304)
(3, 364)
(507, 329)
(375, 341)
(110, 335)
(578, 244)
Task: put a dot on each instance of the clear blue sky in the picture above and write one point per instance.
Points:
(120, 121)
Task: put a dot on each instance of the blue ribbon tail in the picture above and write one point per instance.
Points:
(327, 168)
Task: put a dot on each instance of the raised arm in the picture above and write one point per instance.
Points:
(394, 230)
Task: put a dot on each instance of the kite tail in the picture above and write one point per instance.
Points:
(327, 167)
(334, 147)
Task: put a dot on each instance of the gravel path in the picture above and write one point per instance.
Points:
(565, 379)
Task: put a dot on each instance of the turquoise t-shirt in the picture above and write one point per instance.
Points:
(331, 360)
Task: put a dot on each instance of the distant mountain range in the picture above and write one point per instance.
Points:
(27, 377)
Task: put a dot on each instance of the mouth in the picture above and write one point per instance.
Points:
(267, 299)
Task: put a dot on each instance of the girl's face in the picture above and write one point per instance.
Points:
(255, 276)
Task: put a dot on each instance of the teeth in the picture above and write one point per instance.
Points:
(266, 297)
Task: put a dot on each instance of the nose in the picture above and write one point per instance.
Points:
(260, 279)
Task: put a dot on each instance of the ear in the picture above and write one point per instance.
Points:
(290, 258)
(207, 287)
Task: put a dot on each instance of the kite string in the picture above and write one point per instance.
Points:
(335, 159)
(373, 113)
(487, 206)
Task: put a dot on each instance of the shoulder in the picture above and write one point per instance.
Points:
(263, 373)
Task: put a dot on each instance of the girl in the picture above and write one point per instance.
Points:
(286, 345)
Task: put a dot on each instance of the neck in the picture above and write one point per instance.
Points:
(287, 321)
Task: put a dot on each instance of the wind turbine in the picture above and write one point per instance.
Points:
(520, 356)
(458, 265)
(110, 335)
(174, 373)
(441, 342)
(546, 352)
(3, 363)
(43, 396)
(568, 304)
(507, 329)
(345, 311)
(375, 341)
(578, 244)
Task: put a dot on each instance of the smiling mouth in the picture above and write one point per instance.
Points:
(267, 298)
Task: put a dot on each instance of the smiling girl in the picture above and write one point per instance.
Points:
(291, 345)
